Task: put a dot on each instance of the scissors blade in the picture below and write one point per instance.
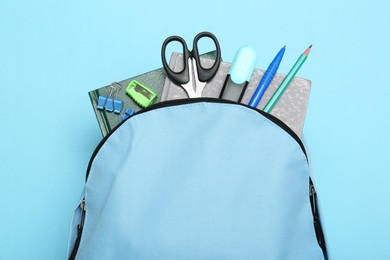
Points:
(199, 85)
(189, 86)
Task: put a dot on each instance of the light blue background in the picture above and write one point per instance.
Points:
(53, 52)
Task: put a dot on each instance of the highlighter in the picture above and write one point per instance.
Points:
(240, 72)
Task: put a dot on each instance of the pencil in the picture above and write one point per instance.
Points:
(287, 80)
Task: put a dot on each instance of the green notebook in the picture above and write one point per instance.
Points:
(154, 80)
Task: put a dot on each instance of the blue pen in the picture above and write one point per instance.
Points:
(267, 78)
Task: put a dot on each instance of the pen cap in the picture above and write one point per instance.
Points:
(243, 65)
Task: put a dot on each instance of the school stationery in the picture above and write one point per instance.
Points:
(111, 103)
(267, 78)
(193, 77)
(141, 94)
(154, 80)
(240, 72)
(287, 80)
(291, 108)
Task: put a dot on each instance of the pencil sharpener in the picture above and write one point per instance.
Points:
(141, 95)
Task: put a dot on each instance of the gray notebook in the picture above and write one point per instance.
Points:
(291, 107)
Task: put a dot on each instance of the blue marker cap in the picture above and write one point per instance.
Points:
(243, 65)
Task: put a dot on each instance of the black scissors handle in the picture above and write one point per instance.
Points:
(204, 74)
(182, 76)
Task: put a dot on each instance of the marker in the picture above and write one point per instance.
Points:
(287, 80)
(240, 72)
(267, 78)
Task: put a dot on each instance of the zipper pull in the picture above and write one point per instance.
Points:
(313, 198)
(79, 231)
(83, 209)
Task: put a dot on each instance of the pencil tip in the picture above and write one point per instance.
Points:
(310, 46)
(284, 46)
(307, 51)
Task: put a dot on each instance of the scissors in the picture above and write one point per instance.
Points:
(193, 77)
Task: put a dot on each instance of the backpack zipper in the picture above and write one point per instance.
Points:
(79, 231)
(316, 219)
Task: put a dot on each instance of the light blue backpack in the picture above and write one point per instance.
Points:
(198, 179)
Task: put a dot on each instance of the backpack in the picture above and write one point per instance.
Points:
(200, 178)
